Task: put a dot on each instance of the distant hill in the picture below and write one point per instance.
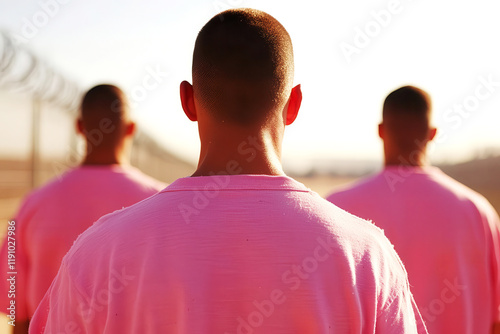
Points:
(481, 175)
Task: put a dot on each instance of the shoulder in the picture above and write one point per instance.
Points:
(120, 228)
(461, 193)
(363, 234)
(143, 180)
(373, 258)
(365, 239)
(40, 196)
(357, 188)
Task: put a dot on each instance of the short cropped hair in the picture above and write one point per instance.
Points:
(104, 103)
(408, 100)
(242, 66)
(407, 115)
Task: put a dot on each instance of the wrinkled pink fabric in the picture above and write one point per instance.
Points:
(51, 218)
(230, 254)
(448, 238)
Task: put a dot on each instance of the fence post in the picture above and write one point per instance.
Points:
(35, 141)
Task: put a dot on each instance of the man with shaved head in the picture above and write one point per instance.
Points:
(51, 218)
(238, 247)
(446, 234)
(106, 125)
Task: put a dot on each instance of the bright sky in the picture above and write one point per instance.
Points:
(348, 56)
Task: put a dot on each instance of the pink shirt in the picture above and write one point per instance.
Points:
(230, 254)
(448, 238)
(52, 217)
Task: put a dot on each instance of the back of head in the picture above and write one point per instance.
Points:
(406, 118)
(242, 66)
(104, 110)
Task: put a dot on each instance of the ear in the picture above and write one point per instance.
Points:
(79, 126)
(293, 104)
(130, 130)
(187, 101)
(432, 133)
(381, 130)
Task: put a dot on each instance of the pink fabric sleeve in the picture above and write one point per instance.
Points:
(401, 316)
(398, 312)
(492, 225)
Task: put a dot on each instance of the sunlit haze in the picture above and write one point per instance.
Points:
(348, 56)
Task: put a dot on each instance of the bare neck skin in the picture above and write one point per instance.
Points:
(101, 156)
(232, 150)
(393, 157)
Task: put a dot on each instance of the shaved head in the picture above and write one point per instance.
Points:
(104, 101)
(104, 117)
(105, 123)
(242, 66)
(406, 118)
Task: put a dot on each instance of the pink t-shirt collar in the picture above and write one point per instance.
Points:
(237, 182)
(411, 169)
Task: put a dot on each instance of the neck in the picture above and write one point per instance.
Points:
(234, 152)
(105, 157)
(417, 159)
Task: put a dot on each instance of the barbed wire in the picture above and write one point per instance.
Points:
(21, 71)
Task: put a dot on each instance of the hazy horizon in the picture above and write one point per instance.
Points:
(347, 59)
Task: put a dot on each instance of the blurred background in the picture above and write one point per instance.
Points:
(348, 55)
